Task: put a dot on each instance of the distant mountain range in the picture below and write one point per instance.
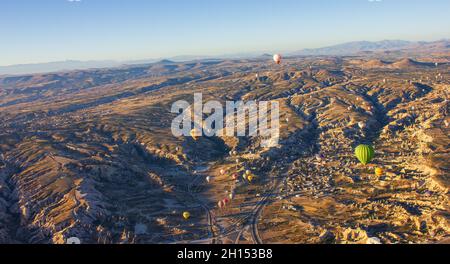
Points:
(350, 48)
(359, 47)
(356, 47)
(56, 66)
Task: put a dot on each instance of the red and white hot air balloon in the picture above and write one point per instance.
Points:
(277, 58)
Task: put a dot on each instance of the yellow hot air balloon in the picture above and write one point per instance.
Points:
(186, 215)
(379, 172)
(195, 133)
(250, 178)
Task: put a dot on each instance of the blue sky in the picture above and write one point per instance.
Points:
(52, 30)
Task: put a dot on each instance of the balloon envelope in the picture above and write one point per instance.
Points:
(379, 171)
(250, 178)
(186, 215)
(195, 133)
(277, 58)
(364, 153)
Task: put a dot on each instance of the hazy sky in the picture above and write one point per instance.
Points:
(53, 30)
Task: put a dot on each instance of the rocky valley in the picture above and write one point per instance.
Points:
(90, 153)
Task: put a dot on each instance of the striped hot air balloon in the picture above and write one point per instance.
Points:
(379, 172)
(364, 153)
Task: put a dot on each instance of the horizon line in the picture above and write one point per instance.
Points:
(248, 54)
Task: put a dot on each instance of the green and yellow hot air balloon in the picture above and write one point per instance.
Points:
(364, 153)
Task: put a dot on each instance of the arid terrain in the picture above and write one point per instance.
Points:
(90, 153)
